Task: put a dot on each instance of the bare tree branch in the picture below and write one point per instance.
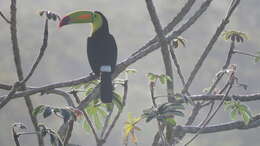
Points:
(209, 46)
(5, 87)
(194, 113)
(18, 65)
(164, 46)
(242, 98)
(240, 125)
(48, 87)
(166, 60)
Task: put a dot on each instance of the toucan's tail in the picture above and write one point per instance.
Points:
(106, 88)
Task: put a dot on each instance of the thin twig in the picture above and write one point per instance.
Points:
(177, 65)
(42, 50)
(5, 18)
(245, 53)
(15, 136)
(106, 123)
(230, 54)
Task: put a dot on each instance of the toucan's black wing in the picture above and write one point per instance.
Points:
(111, 52)
(102, 50)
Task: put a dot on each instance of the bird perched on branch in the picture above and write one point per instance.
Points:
(101, 48)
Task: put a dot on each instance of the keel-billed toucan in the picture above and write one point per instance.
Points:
(101, 48)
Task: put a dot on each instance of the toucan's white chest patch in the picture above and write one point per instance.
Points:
(105, 68)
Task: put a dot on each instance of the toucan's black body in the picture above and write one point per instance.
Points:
(102, 50)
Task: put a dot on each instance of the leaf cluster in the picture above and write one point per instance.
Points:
(164, 113)
(177, 42)
(65, 113)
(130, 128)
(237, 36)
(238, 109)
(162, 78)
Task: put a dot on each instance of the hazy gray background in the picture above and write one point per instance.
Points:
(129, 22)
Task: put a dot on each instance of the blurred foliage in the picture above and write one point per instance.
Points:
(164, 113)
(65, 113)
(162, 78)
(130, 128)
(236, 109)
(257, 58)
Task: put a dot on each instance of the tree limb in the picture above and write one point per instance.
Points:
(18, 65)
(254, 122)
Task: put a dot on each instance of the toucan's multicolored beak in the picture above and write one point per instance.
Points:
(77, 17)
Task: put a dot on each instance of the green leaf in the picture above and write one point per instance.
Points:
(97, 121)
(88, 91)
(233, 114)
(130, 71)
(47, 112)
(96, 113)
(152, 77)
(109, 107)
(101, 112)
(246, 117)
(257, 59)
(162, 79)
(244, 108)
(38, 109)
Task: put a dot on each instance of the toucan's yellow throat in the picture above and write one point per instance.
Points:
(83, 17)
